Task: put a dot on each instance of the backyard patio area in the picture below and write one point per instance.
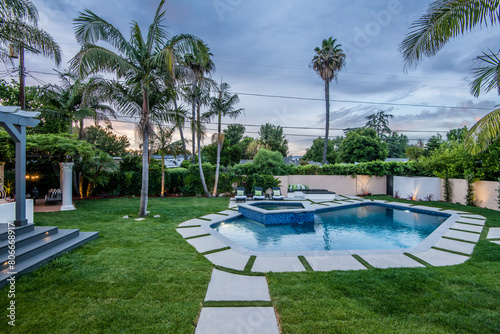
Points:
(141, 276)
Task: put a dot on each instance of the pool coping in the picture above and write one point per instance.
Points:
(425, 249)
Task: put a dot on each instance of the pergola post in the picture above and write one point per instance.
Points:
(67, 186)
(15, 121)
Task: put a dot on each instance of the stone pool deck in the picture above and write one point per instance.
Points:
(239, 303)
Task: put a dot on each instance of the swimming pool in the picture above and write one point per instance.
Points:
(356, 227)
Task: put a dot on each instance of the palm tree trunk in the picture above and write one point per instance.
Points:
(327, 119)
(202, 175)
(162, 174)
(181, 132)
(145, 150)
(219, 148)
(81, 133)
(193, 128)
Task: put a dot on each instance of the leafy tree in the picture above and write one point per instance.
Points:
(327, 62)
(315, 152)
(222, 105)
(162, 140)
(457, 134)
(379, 122)
(414, 153)
(269, 163)
(244, 144)
(105, 140)
(139, 61)
(230, 155)
(272, 137)
(234, 134)
(433, 143)
(96, 171)
(445, 20)
(397, 145)
(362, 145)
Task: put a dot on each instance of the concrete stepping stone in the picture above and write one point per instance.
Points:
(471, 221)
(457, 246)
(463, 235)
(473, 216)
(391, 261)
(439, 258)
(277, 264)
(467, 227)
(229, 259)
(329, 263)
(248, 320)
(494, 233)
(192, 222)
(191, 231)
(225, 286)
(205, 244)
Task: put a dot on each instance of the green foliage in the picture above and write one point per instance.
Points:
(457, 135)
(105, 140)
(234, 134)
(380, 123)
(414, 153)
(396, 145)
(434, 143)
(447, 188)
(272, 138)
(308, 170)
(270, 163)
(230, 155)
(377, 168)
(315, 152)
(362, 145)
(470, 197)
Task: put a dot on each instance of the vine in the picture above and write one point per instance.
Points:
(470, 197)
(447, 188)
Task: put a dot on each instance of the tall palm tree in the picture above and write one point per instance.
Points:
(200, 64)
(77, 99)
(139, 61)
(328, 62)
(222, 105)
(162, 137)
(443, 21)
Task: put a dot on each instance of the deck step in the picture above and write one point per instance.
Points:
(4, 230)
(38, 233)
(35, 260)
(39, 246)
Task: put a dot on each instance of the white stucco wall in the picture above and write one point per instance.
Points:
(8, 212)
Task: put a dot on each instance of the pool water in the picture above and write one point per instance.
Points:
(363, 227)
(279, 206)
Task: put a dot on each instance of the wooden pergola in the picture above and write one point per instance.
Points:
(14, 121)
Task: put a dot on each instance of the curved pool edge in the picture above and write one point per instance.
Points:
(459, 233)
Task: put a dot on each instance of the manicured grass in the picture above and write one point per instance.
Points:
(456, 299)
(138, 277)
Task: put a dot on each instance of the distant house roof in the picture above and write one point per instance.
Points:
(245, 161)
(397, 159)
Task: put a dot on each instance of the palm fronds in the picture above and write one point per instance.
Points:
(483, 133)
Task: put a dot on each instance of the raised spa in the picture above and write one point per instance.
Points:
(353, 227)
(272, 213)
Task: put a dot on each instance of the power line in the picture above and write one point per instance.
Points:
(360, 102)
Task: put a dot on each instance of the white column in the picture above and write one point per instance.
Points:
(67, 186)
(2, 174)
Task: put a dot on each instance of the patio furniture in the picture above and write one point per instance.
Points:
(240, 194)
(277, 194)
(258, 194)
(54, 196)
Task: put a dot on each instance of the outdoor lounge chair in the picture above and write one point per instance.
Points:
(277, 194)
(258, 194)
(240, 194)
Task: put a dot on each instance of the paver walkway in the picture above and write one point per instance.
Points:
(238, 317)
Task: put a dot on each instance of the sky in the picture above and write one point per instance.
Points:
(264, 47)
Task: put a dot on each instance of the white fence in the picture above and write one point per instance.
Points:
(417, 187)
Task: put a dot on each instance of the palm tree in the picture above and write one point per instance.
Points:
(222, 105)
(140, 61)
(162, 137)
(77, 99)
(327, 62)
(19, 32)
(200, 64)
(445, 20)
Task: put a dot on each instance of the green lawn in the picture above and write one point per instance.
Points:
(138, 277)
(456, 299)
(142, 277)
